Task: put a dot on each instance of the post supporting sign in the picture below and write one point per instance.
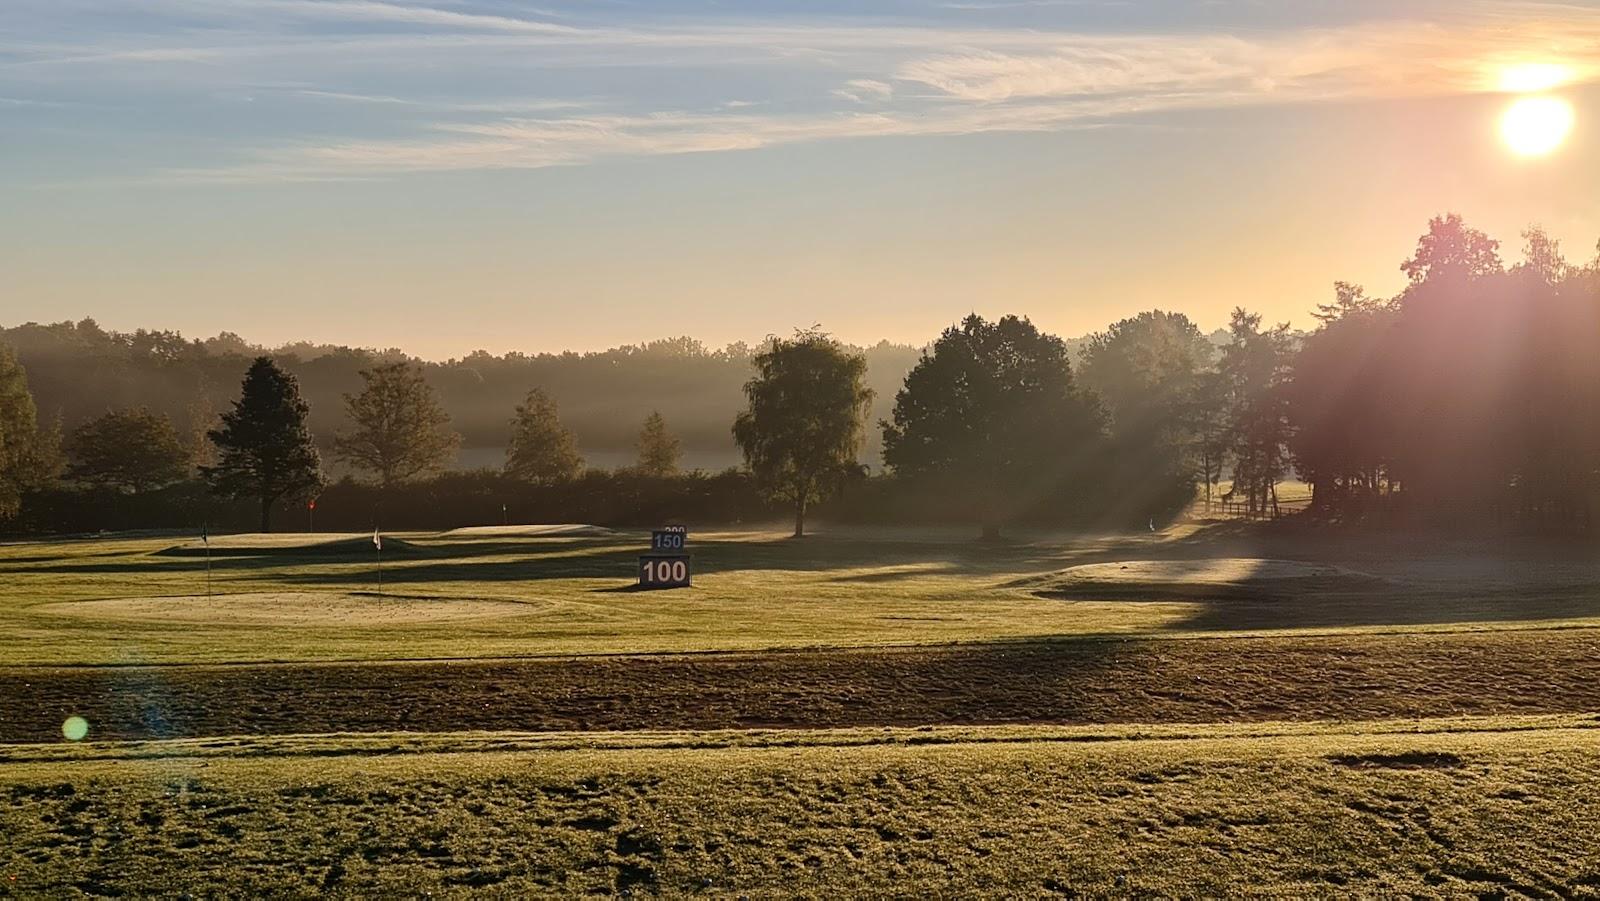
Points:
(667, 563)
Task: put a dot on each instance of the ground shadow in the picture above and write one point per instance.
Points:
(1076, 681)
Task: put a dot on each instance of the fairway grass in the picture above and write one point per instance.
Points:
(300, 609)
(1214, 709)
(563, 591)
(1457, 807)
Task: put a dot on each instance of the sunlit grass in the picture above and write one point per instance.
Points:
(1459, 808)
(100, 601)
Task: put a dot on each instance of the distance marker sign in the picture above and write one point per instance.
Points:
(669, 539)
(664, 571)
(666, 566)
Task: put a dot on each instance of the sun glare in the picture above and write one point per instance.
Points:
(1532, 78)
(1535, 126)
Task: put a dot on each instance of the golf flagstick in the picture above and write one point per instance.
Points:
(377, 542)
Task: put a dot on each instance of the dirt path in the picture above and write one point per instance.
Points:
(1076, 682)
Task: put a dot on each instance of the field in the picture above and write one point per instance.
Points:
(1218, 705)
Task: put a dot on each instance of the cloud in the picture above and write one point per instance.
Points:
(910, 79)
(864, 90)
(981, 6)
(353, 11)
(1367, 61)
(376, 11)
(541, 143)
(354, 98)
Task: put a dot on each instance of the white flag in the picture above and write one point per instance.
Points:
(377, 542)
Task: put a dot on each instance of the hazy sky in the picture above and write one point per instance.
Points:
(446, 175)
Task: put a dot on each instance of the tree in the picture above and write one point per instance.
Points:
(991, 414)
(659, 451)
(1255, 372)
(1542, 256)
(27, 459)
(805, 419)
(1339, 402)
(1451, 247)
(1144, 369)
(201, 416)
(128, 450)
(264, 450)
(1147, 372)
(1207, 420)
(542, 450)
(400, 431)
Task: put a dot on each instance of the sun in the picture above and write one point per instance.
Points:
(1535, 126)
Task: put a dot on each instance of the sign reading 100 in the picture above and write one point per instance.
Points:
(664, 572)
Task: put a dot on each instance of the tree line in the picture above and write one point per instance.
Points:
(79, 370)
(1468, 394)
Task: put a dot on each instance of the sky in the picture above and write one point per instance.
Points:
(445, 176)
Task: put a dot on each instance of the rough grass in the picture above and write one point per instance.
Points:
(67, 602)
(1470, 808)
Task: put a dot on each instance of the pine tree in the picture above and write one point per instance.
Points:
(542, 450)
(659, 450)
(401, 432)
(264, 449)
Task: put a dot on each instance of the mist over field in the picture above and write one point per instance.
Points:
(79, 371)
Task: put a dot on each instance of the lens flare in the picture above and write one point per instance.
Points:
(75, 728)
(1535, 126)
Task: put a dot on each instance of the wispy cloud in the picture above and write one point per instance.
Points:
(392, 12)
(871, 79)
(540, 143)
(354, 98)
(1406, 59)
(983, 6)
(865, 90)
(401, 13)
